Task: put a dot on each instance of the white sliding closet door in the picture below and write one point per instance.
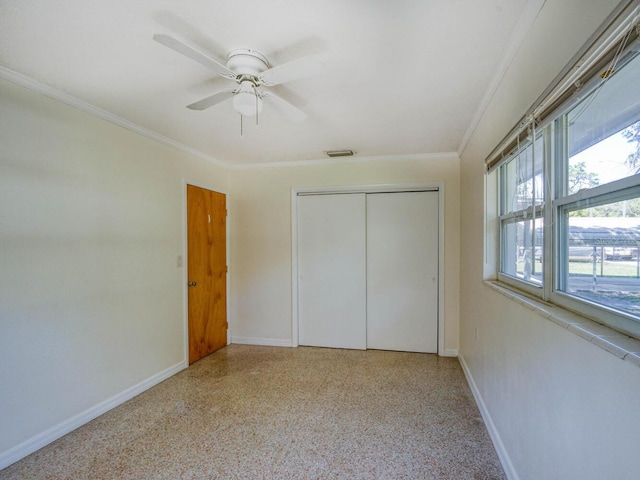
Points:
(332, 270)
(402, 271)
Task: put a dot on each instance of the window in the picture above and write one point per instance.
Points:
(569, 194)
(521, 214)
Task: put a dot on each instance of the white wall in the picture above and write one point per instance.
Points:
(91, 299)
(562, 407)
(91, 224)
(261, 237)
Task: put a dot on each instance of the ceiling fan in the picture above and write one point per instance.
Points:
(251, 71)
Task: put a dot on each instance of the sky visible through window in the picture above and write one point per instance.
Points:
(607, 158)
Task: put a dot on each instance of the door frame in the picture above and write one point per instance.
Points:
(185, 261)
(381, 188)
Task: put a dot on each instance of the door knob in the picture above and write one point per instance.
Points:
(192, 284)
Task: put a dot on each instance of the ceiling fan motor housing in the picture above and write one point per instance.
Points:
(247, 63)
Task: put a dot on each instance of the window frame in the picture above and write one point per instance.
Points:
(534, 212)
(624, 188)
(556, 202)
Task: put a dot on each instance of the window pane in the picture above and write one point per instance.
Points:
(601, 261)
(522, 249)
(604, 131)
(523, 179)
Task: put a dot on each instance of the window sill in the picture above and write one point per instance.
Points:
(616, 343)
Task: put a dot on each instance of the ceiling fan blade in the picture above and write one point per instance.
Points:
(212, 100)
(193, 54)
(285, 108)
(300, 68)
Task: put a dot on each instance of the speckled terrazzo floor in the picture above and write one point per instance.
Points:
(250, 412)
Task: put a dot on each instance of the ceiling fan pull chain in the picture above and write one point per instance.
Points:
(255, 93)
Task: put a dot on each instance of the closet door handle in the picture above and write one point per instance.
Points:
(192, 284)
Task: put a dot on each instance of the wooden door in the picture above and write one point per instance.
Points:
(332, 271)
(402, 271)
(207, 271)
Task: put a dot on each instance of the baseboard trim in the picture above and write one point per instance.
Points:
(493, 432)
(268, 342)
(449, 352)
(29, 446)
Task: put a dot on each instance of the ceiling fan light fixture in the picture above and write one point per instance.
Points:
(246, 102)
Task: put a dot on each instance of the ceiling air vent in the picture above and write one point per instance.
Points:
(339, 153)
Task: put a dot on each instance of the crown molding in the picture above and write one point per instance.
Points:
(520, 31)
(70, 100)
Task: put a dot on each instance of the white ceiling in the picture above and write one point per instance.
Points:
(402, 78)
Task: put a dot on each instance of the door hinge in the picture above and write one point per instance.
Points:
(226, 325)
